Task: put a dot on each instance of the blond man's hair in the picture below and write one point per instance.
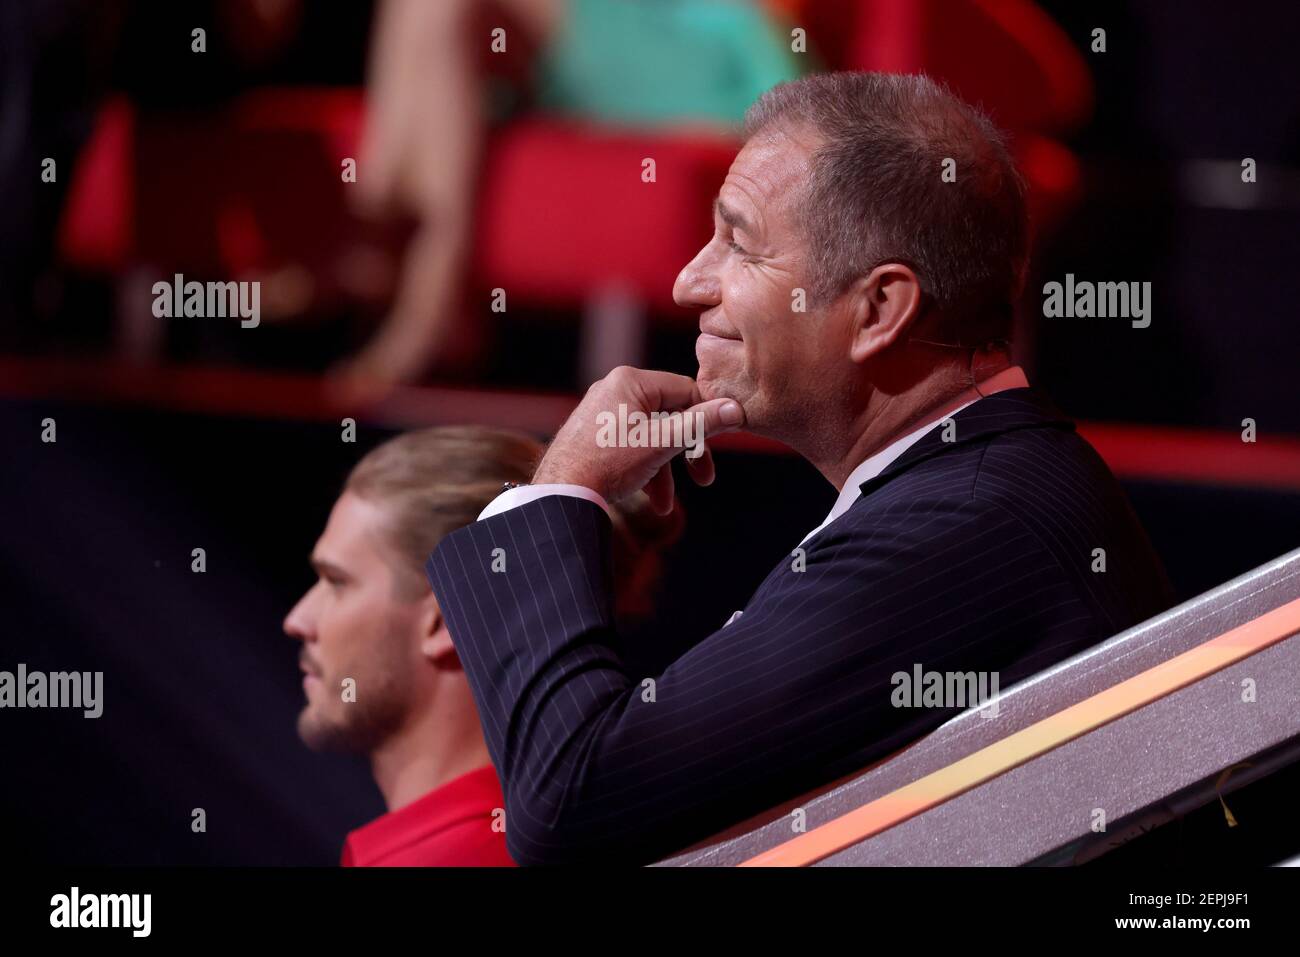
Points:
(433, 481)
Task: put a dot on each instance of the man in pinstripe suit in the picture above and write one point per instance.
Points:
(856, 297)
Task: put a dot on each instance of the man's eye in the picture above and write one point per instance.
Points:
(736, 248)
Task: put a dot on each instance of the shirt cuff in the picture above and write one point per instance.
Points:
(522, 495)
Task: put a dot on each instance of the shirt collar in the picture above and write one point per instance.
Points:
(1012, 377)
(474, 794)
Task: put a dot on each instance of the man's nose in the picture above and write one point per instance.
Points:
(697, 284)
(297, 624)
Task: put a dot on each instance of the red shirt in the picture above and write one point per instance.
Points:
(451, 826)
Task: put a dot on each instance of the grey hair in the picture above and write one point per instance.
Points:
(875, 193)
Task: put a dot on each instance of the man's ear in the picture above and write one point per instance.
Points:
(885, 303)
(435, 639)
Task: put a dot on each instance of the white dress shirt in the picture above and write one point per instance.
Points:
(1009, 378)
(514, 497)
(1012, 377)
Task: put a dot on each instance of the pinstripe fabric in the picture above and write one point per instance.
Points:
(972, 555)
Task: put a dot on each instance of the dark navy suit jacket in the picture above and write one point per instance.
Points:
(970, 555)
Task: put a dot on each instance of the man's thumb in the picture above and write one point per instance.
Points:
(718, 415)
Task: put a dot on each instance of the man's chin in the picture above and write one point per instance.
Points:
(322, 735)
(719, 388)
(710, 388)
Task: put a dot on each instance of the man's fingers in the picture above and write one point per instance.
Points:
(660, 490)
(660, 391)
(717, 415)
(653, 416)
(701, 466)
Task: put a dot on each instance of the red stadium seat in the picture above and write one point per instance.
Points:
(595, 221)
(1005, 55)
(96, 228)
(271, 195)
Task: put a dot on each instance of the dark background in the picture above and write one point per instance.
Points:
(201, 688)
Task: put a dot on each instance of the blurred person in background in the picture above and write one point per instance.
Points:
(81, 92)
(223, 123)
(372, 618)
(648, 64)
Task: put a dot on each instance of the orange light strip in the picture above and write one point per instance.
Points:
(1052, 732)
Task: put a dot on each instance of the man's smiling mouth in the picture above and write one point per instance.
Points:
(713, 331)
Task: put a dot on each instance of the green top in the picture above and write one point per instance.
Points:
(656, 62)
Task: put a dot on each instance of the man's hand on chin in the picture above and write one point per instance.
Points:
(616, 452)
